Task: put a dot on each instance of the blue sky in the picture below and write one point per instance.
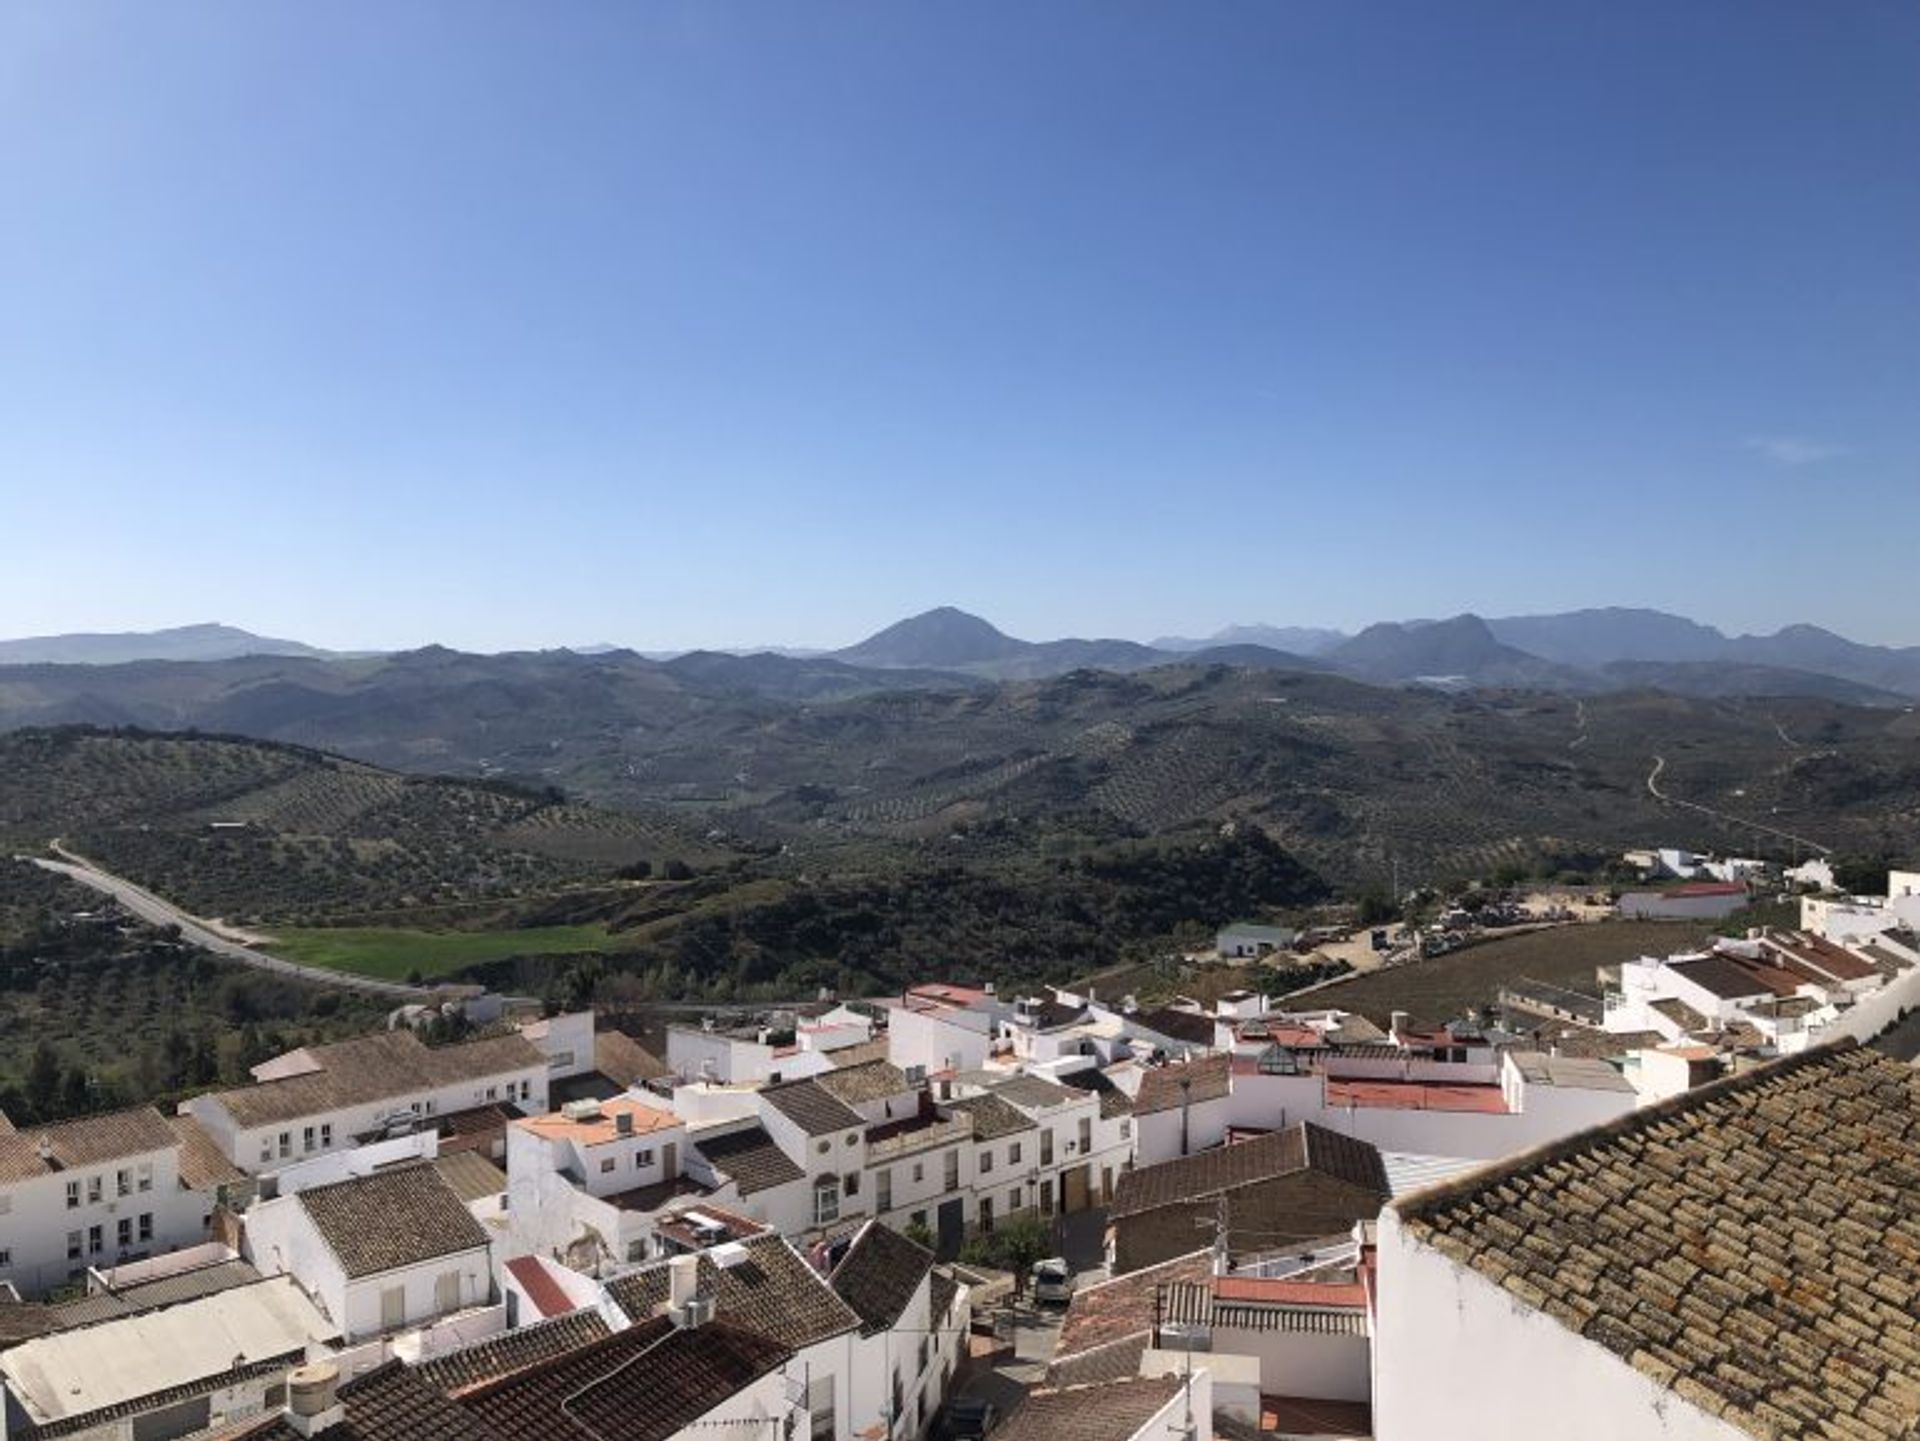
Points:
(673, 324)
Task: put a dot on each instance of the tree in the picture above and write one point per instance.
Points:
(43, 1083)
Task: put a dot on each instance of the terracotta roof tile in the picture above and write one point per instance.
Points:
(773, 1291)
(879, 1274)
(1208, 1079)
(1750, 1245)
(393, 1218)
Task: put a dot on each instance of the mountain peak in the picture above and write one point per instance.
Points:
(944, 636)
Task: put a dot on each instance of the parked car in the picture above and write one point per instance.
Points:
(966, 1418)
(1052, 1281)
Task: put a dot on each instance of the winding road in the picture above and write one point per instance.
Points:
(1653, 788)
(149, 907)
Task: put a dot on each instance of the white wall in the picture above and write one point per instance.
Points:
(420, 1284)
(35, 1220)
(938, 1040)
(1444, 1333)
(1331, 1368)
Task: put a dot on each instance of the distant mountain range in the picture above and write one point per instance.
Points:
(185, 642)
(1572, 652)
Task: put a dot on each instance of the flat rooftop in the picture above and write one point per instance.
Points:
(1417, 1096)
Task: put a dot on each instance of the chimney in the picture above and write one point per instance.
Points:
(1400, 1023)
(313, 1398)
(623, 1123)
(683, 1287)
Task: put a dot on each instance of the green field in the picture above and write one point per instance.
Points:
(394, 954)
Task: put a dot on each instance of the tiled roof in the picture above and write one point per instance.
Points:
(1720, 976)
(377, 1068)
(1822, 955)
(941, 1293)
(1192, 1027)
(1224, 1168)
(1117, 1360)
(470, 1175)
(624, 1061)
(391, 1403)
(1113, 1100)
(89, 1141)
(813, 1108)
(1034, 1093)
(22, 1321)
(393, 1218)
(773, 1291)
(1200, 1304)
(1311, 1416)
(641, 1384)
(1746, 1244)
(992, 1117)
(1110, 1311)
(1208, 1079)
(1112, 1412)
(860, 1054)
(750, 1158)
(1572, 1040)
(879, 1274)
(457, 1371)
(203, 1166)
(871, 1081)
(1680, 1013)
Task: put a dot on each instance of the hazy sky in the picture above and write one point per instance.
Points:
(668, 324)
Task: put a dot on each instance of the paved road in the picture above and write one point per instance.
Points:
(1653, 788)
(149, 907)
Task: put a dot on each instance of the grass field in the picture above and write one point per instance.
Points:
(394, 954)
(1443, 988)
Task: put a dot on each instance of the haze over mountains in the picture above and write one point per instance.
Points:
(1574, 651)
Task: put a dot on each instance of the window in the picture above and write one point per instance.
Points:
(123, 1183)
(123, 1233)
(824, 1147)
(918, 1218)
(393, 1308)
(493, 1093)
(73, 1245)
(146, 1225)
(826, 1200)
(607, 1165)
(922, 1368)
(853, 1138)
(1013, 1153)
(526, 1090)
(986, 1161)
(1086, 1135)
(73, 1195)
(919, 1172)
(561, 1060)
(953, 1170)
(146, 1177)
(286, 1144)
(986, 1213)
(306, 1138)
(1126, 1127)
(446, 1291)
(1013, 1200)
(820, 1408)
(326, 1134)
(96, 1240)
(883, 1190)
(642, 1157)
(1046, 1198)
(266, 1150)
(852, 1184)
(1046, 1148)
(6, 1258)
(95, 1186)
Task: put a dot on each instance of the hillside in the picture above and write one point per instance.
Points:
(270, 834)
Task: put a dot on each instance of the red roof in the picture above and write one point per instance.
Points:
(1291, 1291)
(1310, 1416)
(542, 1290)
(1417, 1096)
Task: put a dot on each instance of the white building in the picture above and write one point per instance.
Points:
(100, 1191)
(327, 1098)
(584, 1184)
(910, 1337)
(1246, 941)
(1709, 1268)
(164, 1373)
(379, 1254)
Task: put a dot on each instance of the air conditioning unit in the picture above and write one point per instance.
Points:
(581, 1110)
